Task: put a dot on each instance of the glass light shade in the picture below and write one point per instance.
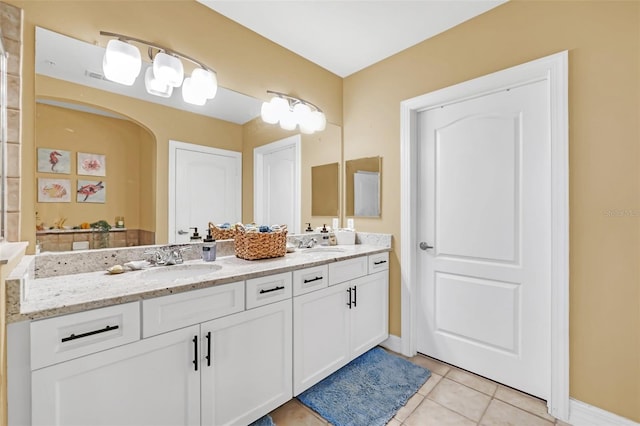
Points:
(121, 62)
(319, 120)
(191, 93)
(155, 86)
(206, 81)
(268, 113)
(168, 69)
(280, 105)
(288, 121)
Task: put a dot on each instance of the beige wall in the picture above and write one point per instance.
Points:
(603, 40)
(244, 61)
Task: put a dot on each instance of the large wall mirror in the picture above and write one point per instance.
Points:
(79, 112)
(363, 187)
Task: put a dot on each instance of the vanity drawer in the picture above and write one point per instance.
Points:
(310, 279)
(58, 339)
(378, 262)
(166, 313)
(346, 270)
(269, 289)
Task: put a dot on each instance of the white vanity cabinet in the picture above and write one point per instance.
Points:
(334, 325)
(249, 370)
(149, 382)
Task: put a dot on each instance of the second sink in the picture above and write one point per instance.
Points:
(176, 272)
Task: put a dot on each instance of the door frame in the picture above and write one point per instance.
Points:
(173, 147)
(554, 69)
(258, 169)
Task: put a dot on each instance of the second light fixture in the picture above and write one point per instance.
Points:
(290, 112)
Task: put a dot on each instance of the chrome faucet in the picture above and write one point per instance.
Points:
(167, 255)
(309, 244)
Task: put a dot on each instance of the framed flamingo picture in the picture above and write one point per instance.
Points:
(54, 190)
(91, 191)
(92, 164)
(54, 161)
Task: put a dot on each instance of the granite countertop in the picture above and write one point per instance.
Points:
(31, 298)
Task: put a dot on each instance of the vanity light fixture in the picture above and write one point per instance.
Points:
(290, 112)
(122, 63)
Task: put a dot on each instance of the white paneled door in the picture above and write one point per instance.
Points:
(276, 195)
(485, 235)
(205, 185)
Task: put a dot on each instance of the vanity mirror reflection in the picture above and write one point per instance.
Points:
(362, 179)
(67, 87)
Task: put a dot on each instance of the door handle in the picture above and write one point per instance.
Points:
(195, 350)
(349, 303)
(182, 232)
(425, 246)
(208, 357)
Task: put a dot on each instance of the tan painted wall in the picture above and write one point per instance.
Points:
(244, 61)
(120, 141)
(603, 40)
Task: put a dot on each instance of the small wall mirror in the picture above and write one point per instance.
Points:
(363, 187)
(325, 200)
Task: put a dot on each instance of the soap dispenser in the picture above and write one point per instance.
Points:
(209, 248)
(325, 235)
(195, 236)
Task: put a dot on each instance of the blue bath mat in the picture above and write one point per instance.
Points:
(264, 421)
(366, 392)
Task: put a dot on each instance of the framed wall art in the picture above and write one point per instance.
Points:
(92, 164)
(54, 190)
(91, 191)
(54, 161)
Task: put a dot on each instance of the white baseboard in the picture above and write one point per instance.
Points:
(583, 414)
(393, 343)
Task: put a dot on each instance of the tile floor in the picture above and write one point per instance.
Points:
(450, 397)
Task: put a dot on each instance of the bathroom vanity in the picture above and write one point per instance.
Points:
(211, 346)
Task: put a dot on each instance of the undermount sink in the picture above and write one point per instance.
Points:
(324, 250)
(176, 272)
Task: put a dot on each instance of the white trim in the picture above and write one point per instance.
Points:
(583, 414)
(393, 343)
(173, 147)
(258, 164)
(553, 68)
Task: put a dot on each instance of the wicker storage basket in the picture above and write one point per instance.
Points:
(260, 245)
(220, 233)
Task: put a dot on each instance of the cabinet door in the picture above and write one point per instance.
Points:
(320, 335)
(149, 382)
(246, 364)
(370, 315)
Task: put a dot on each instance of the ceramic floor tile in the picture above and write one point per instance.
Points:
(523, 401)
(471, 380)
(408, 408)
(461, 399)
(430, 413)
(434, 366)
(430, 384)
(294, 413)
(502, 414)
(561, 423)
(392, 422)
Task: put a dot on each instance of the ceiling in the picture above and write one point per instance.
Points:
(349, 35)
